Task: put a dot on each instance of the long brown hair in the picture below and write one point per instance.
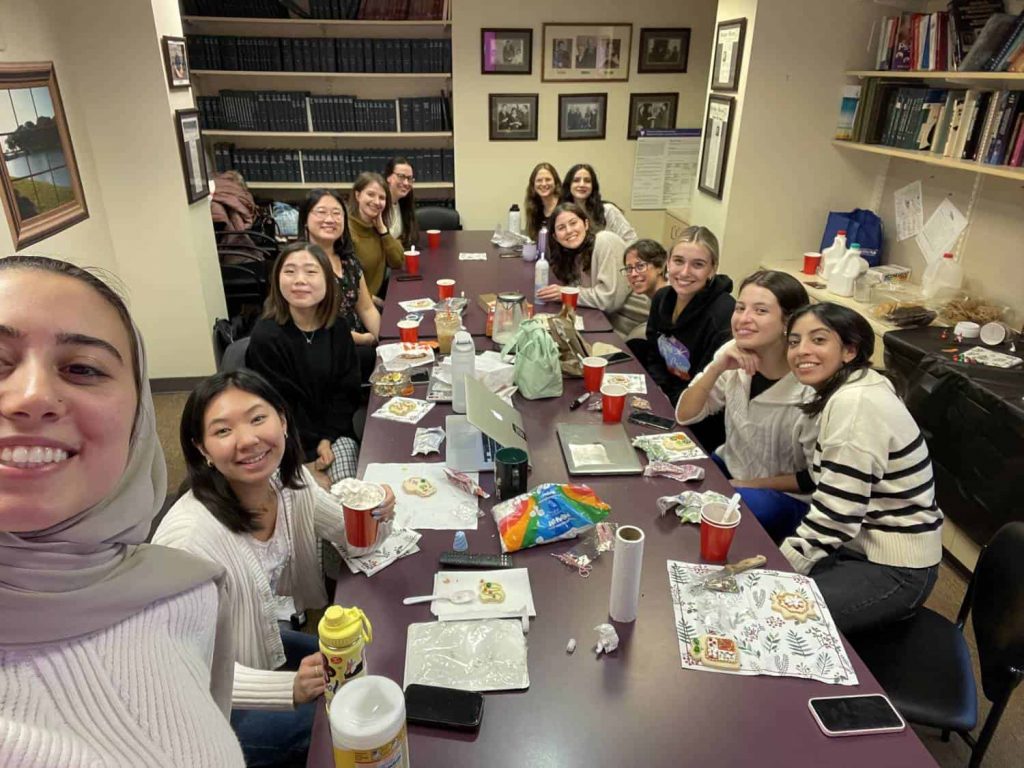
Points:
(276, 306)
(363, 180)
(533, 206)
(565, 264)
(406, 206)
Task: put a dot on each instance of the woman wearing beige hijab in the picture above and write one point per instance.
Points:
(112, 652)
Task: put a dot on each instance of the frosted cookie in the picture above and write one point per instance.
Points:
(491, 592)
(793, 606)
(419, 486)
(719, 651)
(401, 407)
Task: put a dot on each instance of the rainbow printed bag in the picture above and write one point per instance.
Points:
(549, 512)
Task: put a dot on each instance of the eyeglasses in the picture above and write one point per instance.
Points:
(640, 267)
(328, 213)
(403, 177)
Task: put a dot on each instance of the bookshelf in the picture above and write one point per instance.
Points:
(928, 158)
(993, 78)
(304, 185)
(245, 25)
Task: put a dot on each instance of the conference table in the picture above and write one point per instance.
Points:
(636, 706)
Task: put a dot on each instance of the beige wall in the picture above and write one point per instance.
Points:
(490, 176)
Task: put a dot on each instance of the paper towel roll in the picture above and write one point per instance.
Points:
(627, 564)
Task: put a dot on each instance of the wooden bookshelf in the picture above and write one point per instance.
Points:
(235, 24)
(240, 73)
(1002, 171)
(995, 78)
(420, 185)
(409, 135)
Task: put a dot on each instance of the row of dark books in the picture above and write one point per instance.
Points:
(320, 54)
(395, 10)
(248, 9)
(329, 166)
(254, 111)
(984, 126)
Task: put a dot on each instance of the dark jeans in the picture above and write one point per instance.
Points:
(777, 512)
(863, 595)
(279, 738)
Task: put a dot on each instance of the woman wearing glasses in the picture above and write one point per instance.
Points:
(644, 270)
(398, 174)
(375, 246)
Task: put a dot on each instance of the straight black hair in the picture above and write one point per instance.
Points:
(853, 331)
(276, 307)
(593, 205)
(406, 206)
(207, 484)
(343, 245)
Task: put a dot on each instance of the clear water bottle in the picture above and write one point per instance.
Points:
(463, 365)
(513, 219)
(540, 277)
(542, 242)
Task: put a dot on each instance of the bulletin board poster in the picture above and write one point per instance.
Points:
(665, 168)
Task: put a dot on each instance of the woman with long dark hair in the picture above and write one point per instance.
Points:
(872, 539)
(399, 176)
(369, 221)
(542, 191)
(582, 187)
(254, 509)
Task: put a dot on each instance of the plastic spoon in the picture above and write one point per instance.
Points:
(733, 509)
(458, 597)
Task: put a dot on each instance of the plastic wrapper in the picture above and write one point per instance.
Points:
(674, 446)
(592, 545)
(550, 512)
(456, 304)
(466, 483)
(427, 440)
(594, 404)
(640, 404)
(684, 473)
(607, 639)
(686, 505)
(484, 655)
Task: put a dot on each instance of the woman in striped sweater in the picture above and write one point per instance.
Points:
(254, 509)
(872, 539)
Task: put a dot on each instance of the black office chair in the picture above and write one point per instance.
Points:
(268, 245)
(234, 356)
(924, 663)
(436, 217)
(244, 286)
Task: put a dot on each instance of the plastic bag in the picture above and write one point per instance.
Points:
(286, 217)
(549, 512)
(484, 655)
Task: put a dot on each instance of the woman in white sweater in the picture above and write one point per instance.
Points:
(872, 539)
(581, 187)
(257, 511)
(593, 262)
(768, 439)
(112, 652)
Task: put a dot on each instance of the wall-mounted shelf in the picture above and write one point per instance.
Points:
(325, 75)
(1010, 78)
(313, 135)
(1002, 171)
(281, 27)
(337, 185)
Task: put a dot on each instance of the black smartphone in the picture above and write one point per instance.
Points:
(420, 377)
(616, 357)
(856, 715)
(650, 420)
(443, 707)
(406, 278)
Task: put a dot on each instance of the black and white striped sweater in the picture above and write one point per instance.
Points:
(875, 492)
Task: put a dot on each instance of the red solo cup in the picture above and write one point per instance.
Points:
(446, 288)
(409, 331)
(593, 373)
(613, 401)
(360, 524)
(412, 262)
(811, 263)
(570, 295)
(716, 535)
(434, 238)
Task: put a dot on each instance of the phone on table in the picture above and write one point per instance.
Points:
(856, 715)
(407, 278)
(420, 377)
(443, 707)
(616, 357)
(650, 420)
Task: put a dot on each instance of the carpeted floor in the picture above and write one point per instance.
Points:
(1007, 746)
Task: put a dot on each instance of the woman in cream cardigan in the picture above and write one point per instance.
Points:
(258, 512)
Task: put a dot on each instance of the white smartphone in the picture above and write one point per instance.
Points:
(856, 715)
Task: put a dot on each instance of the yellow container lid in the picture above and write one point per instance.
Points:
(342, 626)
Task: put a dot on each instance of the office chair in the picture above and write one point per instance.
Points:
(436, 217)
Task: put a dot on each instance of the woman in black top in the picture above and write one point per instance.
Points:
(305, 350)
(398, 174)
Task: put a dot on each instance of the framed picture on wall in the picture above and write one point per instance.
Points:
(715, 149)
(193, 160)
(506, 51)
(513, 116)
(663, 49)
(581, 52)
(725, 69)
(582, 115)
(176, 62)
(651, 110)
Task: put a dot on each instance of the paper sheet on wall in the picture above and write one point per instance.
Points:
(909, 211)
(728, 40)
(940, 233)
(664, 168)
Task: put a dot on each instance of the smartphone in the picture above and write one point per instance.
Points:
(616, 357)
(650, 420)
(443, 707)
(407, 278)
(856, 715)
(420, 377)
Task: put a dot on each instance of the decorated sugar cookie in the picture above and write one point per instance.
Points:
(718, 651)
(793, 606)
(419, 486)
(401, 407)
(491, 592)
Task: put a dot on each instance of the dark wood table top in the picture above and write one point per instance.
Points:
(494, 275)
(636, 706)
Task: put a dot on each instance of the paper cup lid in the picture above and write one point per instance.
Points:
(993, 333)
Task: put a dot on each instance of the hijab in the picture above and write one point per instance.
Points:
(93, 570)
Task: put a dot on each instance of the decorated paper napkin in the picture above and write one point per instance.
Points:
(401, 543)
(675, 446)
(417, 305)
(778, 622)
(404, 409)
(472, 257)
(635, 383)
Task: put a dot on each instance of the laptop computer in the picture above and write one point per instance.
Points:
(598, 449)
(489, 424)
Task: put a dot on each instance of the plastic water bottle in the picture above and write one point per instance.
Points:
(463, 365)
(513, 219)
(833, 254)
(540, 274)
(944, 275)
(344, 635)
(542, 242)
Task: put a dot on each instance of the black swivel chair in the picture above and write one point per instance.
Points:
(234, 356)
(436, 217)
(924, 663)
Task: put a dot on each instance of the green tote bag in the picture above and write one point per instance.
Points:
(538, 372)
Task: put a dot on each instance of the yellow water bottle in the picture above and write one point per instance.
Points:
(344, 635)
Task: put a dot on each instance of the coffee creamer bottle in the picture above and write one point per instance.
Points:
(368, 725)
(344, 635)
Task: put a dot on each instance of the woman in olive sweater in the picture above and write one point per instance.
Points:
(375, 247)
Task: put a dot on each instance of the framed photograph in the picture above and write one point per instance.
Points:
(715, 150)
(651, 110)
(42, 191)
(506, 51)
(176, 62)
(582, 115)
(581, 52)
(725, 69)
(193, 160)
(665, 49)
(513, 116)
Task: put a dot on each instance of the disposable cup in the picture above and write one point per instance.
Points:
(613, 401)
(434, 238)
(593, 373)
(446, 323)
(360, 524)
(409, 331)
(446, 288)
(412, 262)
(570, 295)
(716, 531)
(529, 251)
(811, 263)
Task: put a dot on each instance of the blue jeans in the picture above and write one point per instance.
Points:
(279, 738)
(777, 512)
(862, 595)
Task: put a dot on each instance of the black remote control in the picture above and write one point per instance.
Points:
(452, 559)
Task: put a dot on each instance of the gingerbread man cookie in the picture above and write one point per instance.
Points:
(793, 606)
(419, 486)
